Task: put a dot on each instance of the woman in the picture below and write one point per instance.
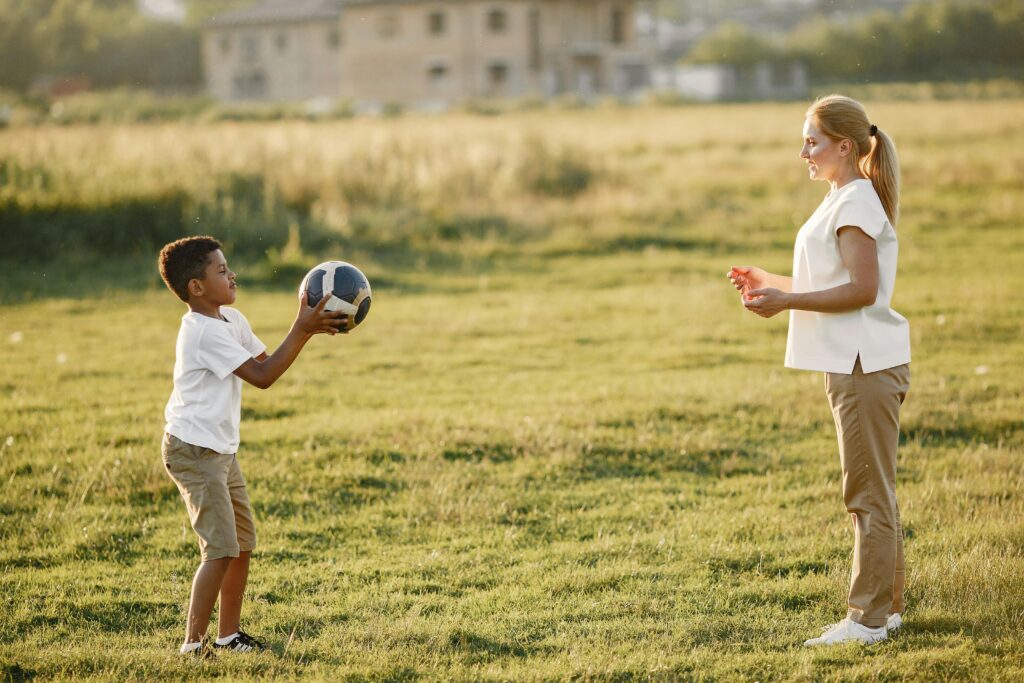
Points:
(844, 269)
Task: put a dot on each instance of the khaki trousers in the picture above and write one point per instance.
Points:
(866, 408)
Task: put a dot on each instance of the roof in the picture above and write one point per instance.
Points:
(278, 11)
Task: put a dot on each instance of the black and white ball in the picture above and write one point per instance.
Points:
(345, 284)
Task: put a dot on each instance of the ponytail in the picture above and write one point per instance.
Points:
(842, 118)
(883, 167)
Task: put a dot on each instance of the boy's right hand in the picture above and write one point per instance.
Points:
(316, 319)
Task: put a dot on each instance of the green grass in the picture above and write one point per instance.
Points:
(565, 455)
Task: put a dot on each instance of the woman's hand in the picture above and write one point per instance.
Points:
(746, 278)
(312, 320)
(766, 302)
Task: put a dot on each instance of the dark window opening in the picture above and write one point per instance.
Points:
(618, 27)
(497, 76)
(535, 47)
(387, 26)
(435, 23)
(497, 20)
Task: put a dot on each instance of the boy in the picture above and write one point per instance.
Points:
(216, 350)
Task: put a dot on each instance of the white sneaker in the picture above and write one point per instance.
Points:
(894, 622)
(847, 631)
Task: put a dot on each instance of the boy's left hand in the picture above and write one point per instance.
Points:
(316, 319)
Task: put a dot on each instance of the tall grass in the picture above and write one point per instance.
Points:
(462, 185)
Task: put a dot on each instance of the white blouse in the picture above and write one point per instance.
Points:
(831, 342)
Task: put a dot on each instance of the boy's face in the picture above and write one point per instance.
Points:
(218, 283)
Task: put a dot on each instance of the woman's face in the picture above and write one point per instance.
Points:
(825, 157)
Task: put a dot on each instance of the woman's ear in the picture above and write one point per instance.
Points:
(845, 147)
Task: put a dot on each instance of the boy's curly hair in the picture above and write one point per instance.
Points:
(185, 260)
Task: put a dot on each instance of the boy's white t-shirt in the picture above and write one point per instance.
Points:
(205, 408)
(831, 342)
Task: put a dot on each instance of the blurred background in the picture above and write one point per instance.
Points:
(174, 58)
(120, 115)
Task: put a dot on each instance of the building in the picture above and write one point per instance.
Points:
(277, 51)
(423, 52)
(727, 82)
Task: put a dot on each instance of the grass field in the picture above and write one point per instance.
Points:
(558, 448)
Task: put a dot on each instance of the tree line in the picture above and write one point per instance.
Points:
(109, 42)
(943, 40)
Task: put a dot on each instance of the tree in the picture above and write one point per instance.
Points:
(733, 43)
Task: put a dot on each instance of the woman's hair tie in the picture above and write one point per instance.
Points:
(873, 130)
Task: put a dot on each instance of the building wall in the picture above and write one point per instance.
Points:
(280, 62)
(467, 59)
(388, 52)
(545, 47)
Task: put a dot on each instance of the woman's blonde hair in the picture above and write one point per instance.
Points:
(842, 118)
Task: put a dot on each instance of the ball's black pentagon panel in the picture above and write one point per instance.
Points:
(315, 286)
(364, 308)
(347, 283)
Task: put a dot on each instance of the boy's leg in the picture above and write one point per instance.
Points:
(232, 588)
(202, 477)
(205, 587)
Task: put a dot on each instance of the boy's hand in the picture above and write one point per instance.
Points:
(315, 319)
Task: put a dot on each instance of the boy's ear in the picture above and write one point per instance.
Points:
(195, 287)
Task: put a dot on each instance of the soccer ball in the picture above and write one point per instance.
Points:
(345, 284)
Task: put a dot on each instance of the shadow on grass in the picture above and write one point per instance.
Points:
(615, 462)
(31, 562)
(15, 673)
(122, 616)
(476, 452)
(329, 495)
(961, 434)
(462, 640)
(119, 547)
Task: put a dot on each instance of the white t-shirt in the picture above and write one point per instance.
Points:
(205, 407)
(831, 342)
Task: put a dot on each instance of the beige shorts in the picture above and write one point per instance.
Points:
(214, 491)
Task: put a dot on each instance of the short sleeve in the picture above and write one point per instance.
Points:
(860, 214)
(249, 340)
(219, 352)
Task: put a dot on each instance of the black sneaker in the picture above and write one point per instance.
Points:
(242, 642)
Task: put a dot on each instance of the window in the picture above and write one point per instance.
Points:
(387, 26)
(225, 44)
(497, 20)
(437, 73)
(250, 47)
(333, 38)
(281, 41)
(618, 27)
(437, 79)
(250, 84)
(435, 23)
(497, 76)
(534, 24)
